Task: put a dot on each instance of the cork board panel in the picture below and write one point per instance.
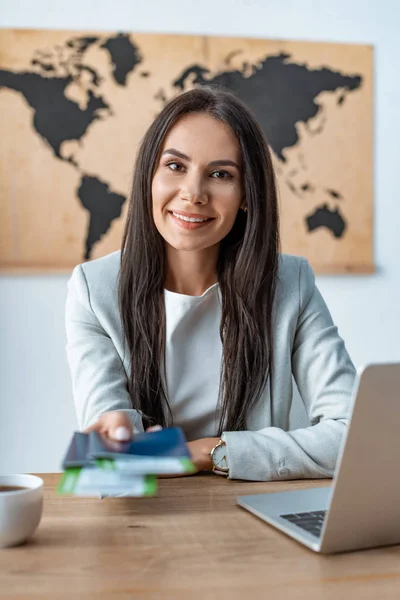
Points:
(74, 106)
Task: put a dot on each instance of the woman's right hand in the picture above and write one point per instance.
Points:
(116, 425)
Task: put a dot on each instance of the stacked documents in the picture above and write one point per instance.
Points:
(97, 466)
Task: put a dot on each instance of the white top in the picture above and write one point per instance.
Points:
(193, 360)
(306, 345)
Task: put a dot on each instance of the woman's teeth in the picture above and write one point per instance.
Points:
(189, 219)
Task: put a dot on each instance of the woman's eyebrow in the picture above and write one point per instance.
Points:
(213, 163)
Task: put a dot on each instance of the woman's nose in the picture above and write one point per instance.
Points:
(193, 198)
(193, 191)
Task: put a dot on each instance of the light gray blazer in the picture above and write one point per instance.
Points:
(307, 346)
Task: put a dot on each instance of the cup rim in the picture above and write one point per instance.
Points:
(32, 482)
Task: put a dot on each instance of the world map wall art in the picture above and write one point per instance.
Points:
(74, 106)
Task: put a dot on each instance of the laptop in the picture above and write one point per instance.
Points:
(361, 509)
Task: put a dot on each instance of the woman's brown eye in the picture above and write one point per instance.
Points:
(222, 175)
(174, 164)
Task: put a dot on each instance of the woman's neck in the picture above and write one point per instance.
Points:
(191, 272)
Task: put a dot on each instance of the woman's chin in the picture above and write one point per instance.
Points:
(190, 245)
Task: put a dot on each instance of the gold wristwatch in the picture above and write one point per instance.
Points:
(219, 459)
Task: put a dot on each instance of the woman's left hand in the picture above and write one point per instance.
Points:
(200, 451)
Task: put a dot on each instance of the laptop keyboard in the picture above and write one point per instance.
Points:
(310, 521)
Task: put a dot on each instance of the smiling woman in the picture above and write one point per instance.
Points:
(200, 321)
(197, 192)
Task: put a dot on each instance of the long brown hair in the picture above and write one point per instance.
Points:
(246, 269)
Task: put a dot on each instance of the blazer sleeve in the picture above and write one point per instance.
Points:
(325, 377)
(99, 380)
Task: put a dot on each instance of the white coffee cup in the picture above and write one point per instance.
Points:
(20, 510)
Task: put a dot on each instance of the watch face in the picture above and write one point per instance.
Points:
(219, 458)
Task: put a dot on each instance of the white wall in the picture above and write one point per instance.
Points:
(36, 408)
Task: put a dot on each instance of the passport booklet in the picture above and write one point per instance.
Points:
(96, 466)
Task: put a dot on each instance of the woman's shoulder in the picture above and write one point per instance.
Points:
(295, 277)
(97, 279)
(291, 266)
(104, 269)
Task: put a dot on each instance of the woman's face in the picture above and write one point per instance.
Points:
(197, 185)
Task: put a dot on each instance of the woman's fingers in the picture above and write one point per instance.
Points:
(93, 427)
(121, 433)
(115, 424)
(154, 428)
(118, 426)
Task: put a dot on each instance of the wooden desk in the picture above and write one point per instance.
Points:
(190, 541)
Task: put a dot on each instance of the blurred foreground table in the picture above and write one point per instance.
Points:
(189, 541)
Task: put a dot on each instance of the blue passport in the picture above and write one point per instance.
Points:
(158, 452)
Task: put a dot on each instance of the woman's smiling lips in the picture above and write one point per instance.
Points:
(189, 220)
